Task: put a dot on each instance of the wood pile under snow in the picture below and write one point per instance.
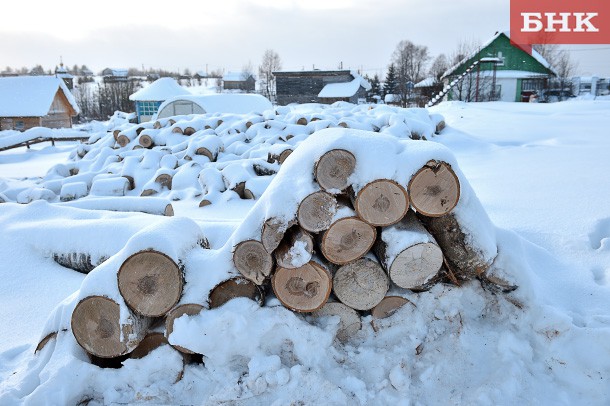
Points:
(215, 157)
(351, 218)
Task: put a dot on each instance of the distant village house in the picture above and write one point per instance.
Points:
(35, 101)
(241, 81)
(318, 86)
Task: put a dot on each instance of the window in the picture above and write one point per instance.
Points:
(148, 108)
(19, 125)
(501, 58)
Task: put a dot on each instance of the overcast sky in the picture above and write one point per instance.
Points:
(229, 34)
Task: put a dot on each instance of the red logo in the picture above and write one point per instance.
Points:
(559, 22)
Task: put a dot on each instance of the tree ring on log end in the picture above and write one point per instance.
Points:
(361, 284)
(416, 266)
(190, 309)
(96, 327)
(388, 306)
(347, 239)
(253, 261)
(434, 190)
(150, 282)
(232, 288)
(382, 203)
(334, 168)
(316, 211)
(304, 289)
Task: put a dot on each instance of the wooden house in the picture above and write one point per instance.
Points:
(498, 71)
(35, 101)
(115, 75)
(318, 86)
(64, 75)
(239, 81)
(149, 98)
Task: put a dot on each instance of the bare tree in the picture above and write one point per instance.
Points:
(410, 62)
(271, 62)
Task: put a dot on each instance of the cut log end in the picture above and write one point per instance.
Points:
(96, 327)
(150, 282)
(347, 239)
(304, 289)
(416, 266)
(388, 306)
(253, 261)
(295, 250)
(382, 203)
(435, 189)
(315, 213)
(361, 284)
(164, 180)
(149, 343)
(349, 319)
(122, 140)
(146, 141)
(273, 231)
(190, 309)
(169, 210)
(233, 288)
(334, 168)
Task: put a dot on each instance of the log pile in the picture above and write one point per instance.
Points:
(334, 237)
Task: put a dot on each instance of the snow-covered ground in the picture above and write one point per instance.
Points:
(541, 173)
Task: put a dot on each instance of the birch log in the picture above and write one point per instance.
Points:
(253, 261)
(346, 240)
(334, 168)
(361, 284)
(382, 202)
(315, 213)
(97, 328)
(434, 190)
(295, 250)
(150, 282)
(304, 289)
(409, 254)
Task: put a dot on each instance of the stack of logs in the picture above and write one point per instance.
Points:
(345, 249)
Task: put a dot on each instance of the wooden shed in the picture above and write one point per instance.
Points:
(240, 81)
(319, 86)
(35, 101)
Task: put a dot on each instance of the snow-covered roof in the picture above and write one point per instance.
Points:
(31, 96)
(535, 54)
(116, 72)
(427, 82)
(236, 76)
(391, 98)
(225, 103)
(160, 90)
(344, 89)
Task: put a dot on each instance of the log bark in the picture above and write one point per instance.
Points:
(273, 231)
(153, 205)
(235, 287)
(253, 261)
(96, 325)
(435, 189)
(49, 337)
(361, 284)
(382, 202)
(315, 213)
(346, 240)
(150, 282)
(304, 289)
(462, 254)
(409, 254)
(78, 261)
(334, 168)
(349, 319)
(295, 249)
(261, 169)
(190, 309)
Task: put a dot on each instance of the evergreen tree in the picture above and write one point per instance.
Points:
(375, 88)
(391, 81)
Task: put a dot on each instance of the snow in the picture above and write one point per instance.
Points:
(224, 103)
(31, 96)
(235, 76)
(160, 90)
(346, 89)
(532, 178)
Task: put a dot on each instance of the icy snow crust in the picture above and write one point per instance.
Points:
(457, 345)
